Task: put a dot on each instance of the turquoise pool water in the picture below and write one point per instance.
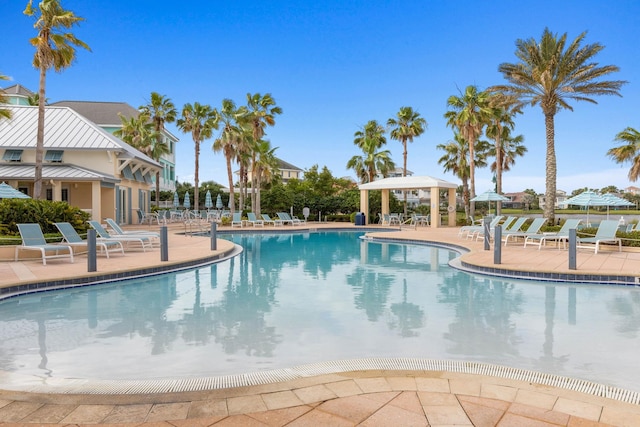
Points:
(292, 299)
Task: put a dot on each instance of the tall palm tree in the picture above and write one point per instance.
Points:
(456, 161)
(629, 151)
(4, 113)
(500, 122)
(263, 169)
(551, 73)
(160, 110)
(54, 49)
(200, 120)
(374, 160)
(229, 139)
(262, 110)
(469, 114)
(404, 127)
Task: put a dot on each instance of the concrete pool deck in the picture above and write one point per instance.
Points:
(369, 397)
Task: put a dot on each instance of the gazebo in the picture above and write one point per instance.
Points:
(411, 183)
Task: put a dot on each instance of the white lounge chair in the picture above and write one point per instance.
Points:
(33, 240)
(606, 234)
(236, 221)
(534, 228)
(143, 241)
(254, 221)
(72, 238)
(561, 236)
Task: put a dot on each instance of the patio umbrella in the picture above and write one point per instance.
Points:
(219, 204)
(490, 196)
(616, 201)
(587, 198)
(207, 200)
(187, 202)
(176, 200)
(8, 192)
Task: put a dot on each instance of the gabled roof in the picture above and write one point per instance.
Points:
(101, 113)
(287, 166)
(64, 129)
(407, 183)
(18, 90)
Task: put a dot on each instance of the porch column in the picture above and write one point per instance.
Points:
(435, 207)
(385, 201)
(452, 202)
(96, 211)
(364, 204)
(56, 189)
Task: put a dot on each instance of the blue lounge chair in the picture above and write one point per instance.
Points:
(507, 222)
(534, 228)
(118, 231)
(254, 221)
(469, 231)
(286, 218)
(33, 240)
(606, 234)
(143, 241)
(561, 236)
(236, 221)
(72, 238)
(267, 220)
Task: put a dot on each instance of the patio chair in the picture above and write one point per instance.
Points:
(606, 234)
(71, 237)
(268, 220)
(561, 236)
(143, 241)
(118, 231)
(33, 240)
(236, 221)
(533, 229)
(148, 217)
(254, 221)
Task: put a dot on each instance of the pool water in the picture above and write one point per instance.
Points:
(292, 299)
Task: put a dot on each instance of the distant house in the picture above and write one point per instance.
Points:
(83, 165)
(633, 190)
(559, 203)
(286, 171)
(107, 116)
(18, 95)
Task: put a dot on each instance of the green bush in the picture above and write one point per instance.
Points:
(42, 212)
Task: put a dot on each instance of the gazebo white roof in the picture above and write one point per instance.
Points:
(407, 183)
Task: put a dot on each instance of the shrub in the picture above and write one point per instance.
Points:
(42, 212)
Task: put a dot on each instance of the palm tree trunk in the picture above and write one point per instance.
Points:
(232, 199)
(37, 183)
(158, 189)
(404, 173)
(196, 179)
(472, 177)
(241, 182)
(465, 196)
(550, 194)
(498, 171)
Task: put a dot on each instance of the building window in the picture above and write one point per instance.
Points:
(12, 155)
(53, 156)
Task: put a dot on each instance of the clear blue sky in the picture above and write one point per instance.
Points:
(334, 65)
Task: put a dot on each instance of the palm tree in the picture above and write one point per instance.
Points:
(229, 139)
(3, 100)
(136, 131)
(456, 161)
(629, 151)
(160, 110)
(407, 125)
(510, 148)
(374, 161)
(200, 120)
(262, 110)
(263, 168)
(469, 114)
(501, 123)
(551, 73)
(54, 49)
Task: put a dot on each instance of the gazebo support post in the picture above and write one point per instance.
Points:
(435, 207)
(452, 202)
(364, 205)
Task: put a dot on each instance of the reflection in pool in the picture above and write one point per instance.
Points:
(293, 299)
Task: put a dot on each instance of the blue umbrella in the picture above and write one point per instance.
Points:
(219, 202)
(207, 200)
(176, 200)
(187, 202)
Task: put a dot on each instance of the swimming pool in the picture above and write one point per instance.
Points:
(297, 298)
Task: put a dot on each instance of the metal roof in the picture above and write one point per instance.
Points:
(101, 113)
(18, 90)
(407, 183)
(65, 129)
(26, 172)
